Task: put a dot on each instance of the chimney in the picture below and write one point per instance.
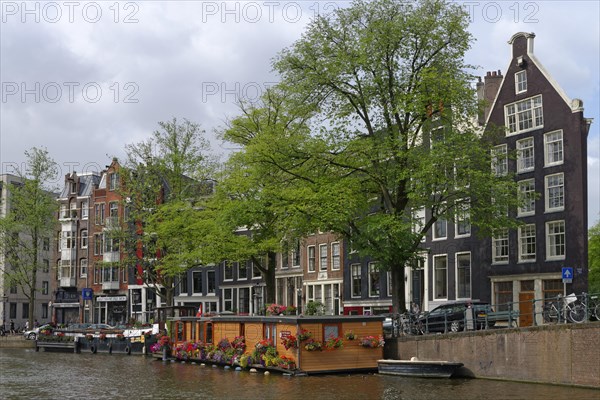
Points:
(487, 91)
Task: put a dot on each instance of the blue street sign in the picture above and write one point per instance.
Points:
(87, 293)
(567, 274)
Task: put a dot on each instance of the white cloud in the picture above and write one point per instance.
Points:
(176, 49)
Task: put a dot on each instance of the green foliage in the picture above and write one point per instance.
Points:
(165, 181)
(29, 222)
(594, 259)
(384, 127)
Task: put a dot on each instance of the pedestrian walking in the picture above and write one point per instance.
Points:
(36, 324)
(27, 325)
(12, 327)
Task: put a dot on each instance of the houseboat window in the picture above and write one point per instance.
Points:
(209, 332)
(271, 333)
(200, 331)
(331, 331)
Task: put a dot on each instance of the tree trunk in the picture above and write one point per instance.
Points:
(269, 296)
(398, 289)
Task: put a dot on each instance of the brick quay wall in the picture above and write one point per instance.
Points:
(566, 354)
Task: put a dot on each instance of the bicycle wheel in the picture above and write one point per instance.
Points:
(596, 311)
(550, 314)
(577, 313)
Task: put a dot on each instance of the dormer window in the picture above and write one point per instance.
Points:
(521, 82)
(73, 186)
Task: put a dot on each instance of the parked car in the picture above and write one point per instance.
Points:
(453, 316)
(34, 333)
(99, 326)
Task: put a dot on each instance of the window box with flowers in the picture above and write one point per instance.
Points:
(289, 342)
(313, 345)
(371, 342)
(102, 336)
(287, 362)
(304, 335)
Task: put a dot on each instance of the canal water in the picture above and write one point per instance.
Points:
(25, 374)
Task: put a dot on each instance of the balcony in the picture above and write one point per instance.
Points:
(66, 282)
(68, 254)
(111, 256)
(110, 285)
(68, 215)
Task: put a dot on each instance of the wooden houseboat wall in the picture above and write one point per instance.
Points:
(350, 357)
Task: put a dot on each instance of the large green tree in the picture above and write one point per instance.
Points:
(594, 259)
(29, 225)
(251, 210)
(163, 179)
(394, 130)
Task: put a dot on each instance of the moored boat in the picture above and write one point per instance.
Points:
(418, 368)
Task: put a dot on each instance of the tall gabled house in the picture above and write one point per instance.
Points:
(547, 132)
(74, 256)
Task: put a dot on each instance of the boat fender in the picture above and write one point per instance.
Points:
(93, 349)
(128, 350)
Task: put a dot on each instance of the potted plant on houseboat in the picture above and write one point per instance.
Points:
(289, 342)
(350, 335)
(334, 343)
(287, 363)
(313, 345)
(371, 341)
(304, 335)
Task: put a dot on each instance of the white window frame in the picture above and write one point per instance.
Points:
(311, 258)
(436, 296)
(335, 256)
(555, 240)
(521, 82)
(456, 274)
(554, 191)
(517, 113)
(527, 238)
(239, 268)
(554, 150)
(323, 257)
(500, 160)
(434, 233)
(355, 271)
(228, 299)
(85, 209)
(84, 239)
(419, 221)
(463, 216)
(227, 266)
(83, 268)
(500, 247)
(527, 190)
(525, 155)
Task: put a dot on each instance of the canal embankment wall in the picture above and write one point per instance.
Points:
(15, 341)
(566, 354)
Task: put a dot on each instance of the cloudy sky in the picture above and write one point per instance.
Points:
(85, 78)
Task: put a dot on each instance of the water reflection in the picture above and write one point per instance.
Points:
(27, 374)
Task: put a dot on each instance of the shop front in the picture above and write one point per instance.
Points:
(111, 310)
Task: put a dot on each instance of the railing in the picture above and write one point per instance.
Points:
(551, 310)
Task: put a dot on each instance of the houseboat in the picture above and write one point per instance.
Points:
(294, 343)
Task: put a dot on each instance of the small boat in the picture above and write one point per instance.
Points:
(418, 368)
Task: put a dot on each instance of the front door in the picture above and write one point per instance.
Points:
(526, 308)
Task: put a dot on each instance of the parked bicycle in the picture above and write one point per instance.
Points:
(567, 308)
(410, 324)
(594, 307)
